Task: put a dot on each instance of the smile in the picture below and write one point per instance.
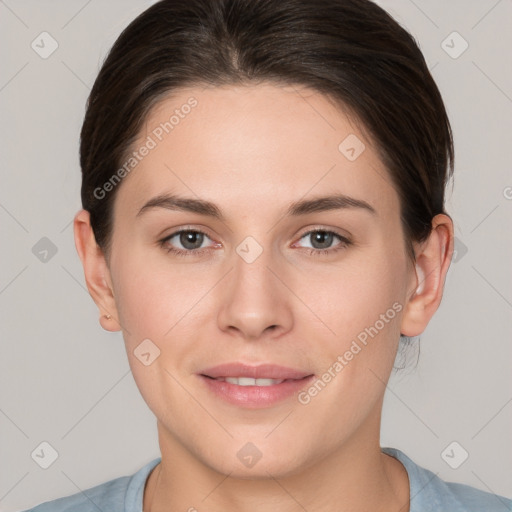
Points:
(252, 393)
(248, 381)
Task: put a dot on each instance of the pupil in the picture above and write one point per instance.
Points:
(190, 237)
(323, 238)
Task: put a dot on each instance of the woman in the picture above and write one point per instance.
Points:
(263, 219)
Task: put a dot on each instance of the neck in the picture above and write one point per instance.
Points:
(357, 477)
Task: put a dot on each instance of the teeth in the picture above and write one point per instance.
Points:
(248, 381)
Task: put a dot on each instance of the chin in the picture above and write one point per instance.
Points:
(250, 463)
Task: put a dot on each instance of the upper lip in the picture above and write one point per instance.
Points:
(262, 371)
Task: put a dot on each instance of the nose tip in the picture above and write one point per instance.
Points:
(253, 302)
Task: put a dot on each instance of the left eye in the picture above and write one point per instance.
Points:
(321, 240)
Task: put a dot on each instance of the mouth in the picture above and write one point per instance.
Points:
(249, 381)
(241, 371)
(254, 387)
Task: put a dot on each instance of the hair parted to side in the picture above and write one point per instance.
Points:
(350, 50)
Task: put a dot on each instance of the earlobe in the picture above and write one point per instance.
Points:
(109, 323)
(432, 263)
(96, 271)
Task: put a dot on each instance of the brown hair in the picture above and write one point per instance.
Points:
(350, 50)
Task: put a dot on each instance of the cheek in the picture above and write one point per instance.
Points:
(358, 308)
(143, 297)
(154, 303)
(361, 305)
(154, 297)
(352, 296)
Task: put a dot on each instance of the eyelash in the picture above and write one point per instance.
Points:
(344, 243)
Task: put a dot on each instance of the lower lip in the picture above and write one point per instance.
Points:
(255, 397)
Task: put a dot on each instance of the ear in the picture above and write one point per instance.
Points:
(432, 262)
(97, 273)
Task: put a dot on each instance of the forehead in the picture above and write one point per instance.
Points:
(254, 147)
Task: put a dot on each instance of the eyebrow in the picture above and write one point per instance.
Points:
(302, 207)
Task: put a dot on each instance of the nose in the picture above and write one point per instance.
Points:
(255, 301)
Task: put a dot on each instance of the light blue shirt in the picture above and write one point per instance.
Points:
(427, 491)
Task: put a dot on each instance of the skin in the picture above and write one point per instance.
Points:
(252, 150)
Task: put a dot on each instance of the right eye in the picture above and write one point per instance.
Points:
(191, 241)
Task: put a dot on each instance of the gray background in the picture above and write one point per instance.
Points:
(67, 382)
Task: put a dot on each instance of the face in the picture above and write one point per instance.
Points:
(319, 290)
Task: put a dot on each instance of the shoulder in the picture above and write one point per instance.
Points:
(123, 494)
(430, 493)
(106, 496)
